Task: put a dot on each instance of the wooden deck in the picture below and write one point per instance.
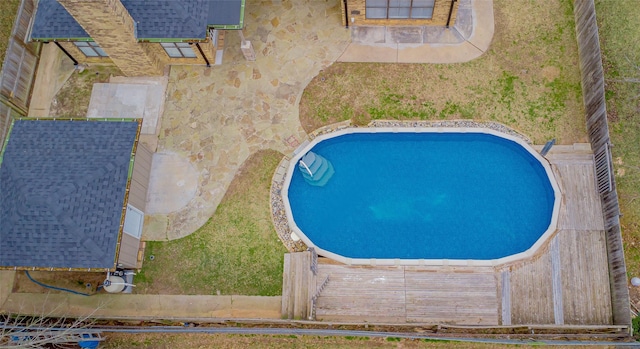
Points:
(569, 282)
(566, 283)
(407, 294)
(585, 278)
(298, 285)
(531, 292)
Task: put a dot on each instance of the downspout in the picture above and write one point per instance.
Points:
(450, 12)
(346, 14)
(66, 53)
(203, 56)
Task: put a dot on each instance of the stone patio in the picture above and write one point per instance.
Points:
(216, 117)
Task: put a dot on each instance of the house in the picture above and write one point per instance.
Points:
(140, 37)
(399, 13)
(73, 195)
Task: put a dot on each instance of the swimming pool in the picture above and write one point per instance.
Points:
(425, 196)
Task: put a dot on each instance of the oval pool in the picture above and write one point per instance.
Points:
(428, 195)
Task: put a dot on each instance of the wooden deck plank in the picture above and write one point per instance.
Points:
(462, 298)
(287, 300)
(298, 283)
(585, 278)
(531, 292)
(581, 208)
(506, 297)
(407, 294)
(364, 293)
(556, 281)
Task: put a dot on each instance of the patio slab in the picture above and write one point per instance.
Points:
(133, 98)
(172, 184)
(466, 40)
(139, 307)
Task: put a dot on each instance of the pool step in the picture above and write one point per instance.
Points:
(315, 169)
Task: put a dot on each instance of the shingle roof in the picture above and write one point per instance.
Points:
(62, 191)
(225, 12)
(169, 18)
(52, 21)
(156, 19)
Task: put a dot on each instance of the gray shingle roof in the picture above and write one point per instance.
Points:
(225, 12)
(52, 21)
(156, 19)
(185, 19)
(62, 191)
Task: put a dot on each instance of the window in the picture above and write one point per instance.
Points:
(133, 221)
(399, 9)
(90, 49)
(178, 49)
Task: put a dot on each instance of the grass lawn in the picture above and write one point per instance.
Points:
(236, 252)
(8, 12)
(529, 79)
(619, 23)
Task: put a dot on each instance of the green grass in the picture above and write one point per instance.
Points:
(529, 79)
(619, 23)
(236, 252)
(8, 13)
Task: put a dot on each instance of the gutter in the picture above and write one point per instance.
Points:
(450, 12)
(203, 55)
(346, 14)
(66, 53)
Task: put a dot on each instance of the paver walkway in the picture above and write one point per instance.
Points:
(137, 306)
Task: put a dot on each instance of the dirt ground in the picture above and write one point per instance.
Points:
(73, 98)
(84, 282)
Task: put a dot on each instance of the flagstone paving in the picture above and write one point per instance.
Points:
(217, 117)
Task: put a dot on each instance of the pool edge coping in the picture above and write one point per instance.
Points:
(520, 140)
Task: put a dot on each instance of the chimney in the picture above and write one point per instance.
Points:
(111, 26)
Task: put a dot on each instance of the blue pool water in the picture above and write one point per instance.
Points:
(424, 196)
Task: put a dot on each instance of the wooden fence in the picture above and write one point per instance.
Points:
(18, 69)
(597, 127)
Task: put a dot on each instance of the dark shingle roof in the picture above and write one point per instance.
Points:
(52, 21)
(62, 191)
(225, 12)
(156, 19)
(186, 19)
